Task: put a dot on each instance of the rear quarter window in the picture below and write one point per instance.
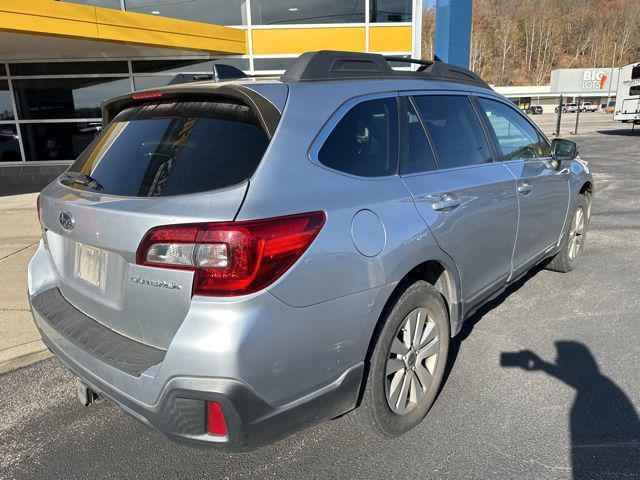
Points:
(365, 141)
(172, 148)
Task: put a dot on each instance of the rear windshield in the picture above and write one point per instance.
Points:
(172, 148)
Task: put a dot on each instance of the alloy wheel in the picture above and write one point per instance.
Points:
(412, 361)
(576, 233)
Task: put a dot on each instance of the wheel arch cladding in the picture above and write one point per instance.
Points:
(436, 274)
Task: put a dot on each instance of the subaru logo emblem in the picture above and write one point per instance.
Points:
(67, 220)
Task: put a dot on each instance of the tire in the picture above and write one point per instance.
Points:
(422, 303)
(567, 257)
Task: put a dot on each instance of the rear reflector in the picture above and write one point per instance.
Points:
(231, 258)
(147, 95)
(216, 424)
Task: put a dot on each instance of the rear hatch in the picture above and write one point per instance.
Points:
(162, 162)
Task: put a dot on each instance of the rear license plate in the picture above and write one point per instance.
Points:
(90, 265)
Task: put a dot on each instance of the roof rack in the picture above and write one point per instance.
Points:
(335, 65)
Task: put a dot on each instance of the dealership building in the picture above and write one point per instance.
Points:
(60, 59)
(595, 85)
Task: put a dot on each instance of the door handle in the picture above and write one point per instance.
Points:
(446, 202)
(524, 188)
(564, 171)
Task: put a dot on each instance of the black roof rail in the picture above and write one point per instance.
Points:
(423, 63)
(335, 65)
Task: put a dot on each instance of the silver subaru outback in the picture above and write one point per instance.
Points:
(230, 261)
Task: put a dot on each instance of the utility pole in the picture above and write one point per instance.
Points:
(559, 117)
(613, 64)
(575, 131)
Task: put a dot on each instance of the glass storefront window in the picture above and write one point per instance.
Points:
(66, 97)
(220, 12)
(57, 141)
(186, 66)
(99, 3)
(272, 63)
(3, 71)
(281, 12)
(6, 110)
(67, 68)
(142, 82)
(9, 146)
(390, 10)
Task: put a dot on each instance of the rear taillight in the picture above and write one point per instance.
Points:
(231, 258)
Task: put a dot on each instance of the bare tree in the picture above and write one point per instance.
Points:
(521, 41)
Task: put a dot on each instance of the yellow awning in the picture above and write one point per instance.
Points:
(72, 25)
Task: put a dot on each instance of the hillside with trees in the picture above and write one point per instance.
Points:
(519, 42)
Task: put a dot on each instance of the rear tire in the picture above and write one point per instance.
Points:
(573, 239)
(407, 363)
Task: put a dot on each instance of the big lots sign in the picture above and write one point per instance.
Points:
(593, 80)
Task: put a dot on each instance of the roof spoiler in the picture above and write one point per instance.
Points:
(267, 112)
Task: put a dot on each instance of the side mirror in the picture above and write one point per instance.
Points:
(562, 149)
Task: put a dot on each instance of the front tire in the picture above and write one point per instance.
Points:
(573, 239)
(407, 363)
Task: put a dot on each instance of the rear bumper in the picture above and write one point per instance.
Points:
(180, 411)
(273, 367)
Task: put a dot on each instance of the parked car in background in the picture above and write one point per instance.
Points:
(568, 108)
(228, 270)
(571, 108)
(534, 110)
(588, 107)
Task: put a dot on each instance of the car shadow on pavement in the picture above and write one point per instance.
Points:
(604, 426)
(469, 323)
(628, 132)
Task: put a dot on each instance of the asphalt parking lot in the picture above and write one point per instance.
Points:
(587, 123)
(574, 418)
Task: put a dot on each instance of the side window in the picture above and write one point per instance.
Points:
(454, 128)
(416, 151)
(365, 140)
(518, 139)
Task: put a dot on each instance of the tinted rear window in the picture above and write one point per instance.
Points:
(173, 148)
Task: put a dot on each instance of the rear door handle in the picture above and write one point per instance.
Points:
(524, 188)
(446, 202)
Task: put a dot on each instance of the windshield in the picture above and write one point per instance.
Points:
(172, 148)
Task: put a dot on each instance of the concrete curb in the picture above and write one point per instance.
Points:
(23, 355)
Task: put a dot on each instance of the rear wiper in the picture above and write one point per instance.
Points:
(83, 179)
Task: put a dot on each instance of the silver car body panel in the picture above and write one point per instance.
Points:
(316, 322)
